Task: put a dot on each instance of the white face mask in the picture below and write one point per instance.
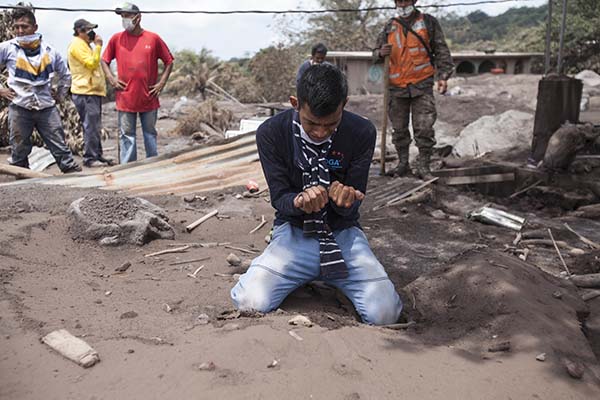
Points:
(405, 12)
(127, 24)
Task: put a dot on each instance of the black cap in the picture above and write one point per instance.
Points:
(82, 23)
(127, 8)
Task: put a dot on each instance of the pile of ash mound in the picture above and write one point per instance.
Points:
(117, 220)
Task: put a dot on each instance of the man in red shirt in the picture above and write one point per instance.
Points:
(137, 86)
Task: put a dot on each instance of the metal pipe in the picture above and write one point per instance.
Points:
(563, 26)
(548, 39)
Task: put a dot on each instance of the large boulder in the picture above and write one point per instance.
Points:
(492, 133)
(116, 220)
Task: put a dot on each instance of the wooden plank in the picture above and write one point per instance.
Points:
(473, 171)
(21, 173)
(469, 180)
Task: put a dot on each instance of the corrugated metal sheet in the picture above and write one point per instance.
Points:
(190, 171)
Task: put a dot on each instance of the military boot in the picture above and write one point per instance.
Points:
(402, 168)
(423, 164)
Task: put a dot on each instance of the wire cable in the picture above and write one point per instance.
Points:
(229, 12)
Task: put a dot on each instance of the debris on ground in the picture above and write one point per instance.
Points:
(300, 320)
(494, 216)
(72, 348)
(118, 220)
(509, 130)
(207, 121)
(234, 260)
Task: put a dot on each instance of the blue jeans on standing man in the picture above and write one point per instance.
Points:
(22, 121)
(292, 260)
(127, 122)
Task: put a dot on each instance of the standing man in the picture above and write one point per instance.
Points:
(88, 87)
(137, 86)
(318, 54)
(418, 51)
(31, 65)
(316, 159)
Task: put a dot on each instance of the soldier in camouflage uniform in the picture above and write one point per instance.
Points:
(418, 54)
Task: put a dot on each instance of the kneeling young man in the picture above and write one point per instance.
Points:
(316, 160)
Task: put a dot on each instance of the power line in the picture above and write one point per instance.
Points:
(229, 12)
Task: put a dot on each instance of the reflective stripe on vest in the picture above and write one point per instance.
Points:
(409, 60)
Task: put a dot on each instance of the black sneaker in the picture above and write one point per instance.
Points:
(74, 168)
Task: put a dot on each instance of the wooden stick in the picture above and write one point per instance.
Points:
(21, 173)
(386, 98)
(197, 223)
(168, 251)
(398, 327)
(405, 194)
(262, 223)
(558, 251)
(590, 294)
(586, 281)
(545, 242)
(515, 194)
(189, 261)
(193, 275)
(248, 251)
(585, 240)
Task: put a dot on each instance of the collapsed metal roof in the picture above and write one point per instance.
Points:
(194, 170)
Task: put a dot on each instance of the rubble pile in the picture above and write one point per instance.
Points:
(205, 121)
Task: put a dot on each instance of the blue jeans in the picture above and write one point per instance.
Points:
(89, 109)
(127, 122)
(21, 122)
(292, 260)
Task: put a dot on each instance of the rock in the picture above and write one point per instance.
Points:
(438, 214)
(495, 133)
(206, 366)
(128, 315)
(500, 347)
(574, 369)
(300, 320)
(541, 357)
(234, 260)
(123, 267)
(202, 319)
(189, 199)
(589, 78)
(576, 252)
(273, 364)
(231, 327)
(130, 351)
(557, 294)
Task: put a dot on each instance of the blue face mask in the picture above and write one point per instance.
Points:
(29, 41)
(405, 12)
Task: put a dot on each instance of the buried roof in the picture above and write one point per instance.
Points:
(206, 168)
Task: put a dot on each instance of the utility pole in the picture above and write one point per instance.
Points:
(548, 39)
(561, 44)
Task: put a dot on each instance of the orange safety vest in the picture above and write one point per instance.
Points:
(409, 61)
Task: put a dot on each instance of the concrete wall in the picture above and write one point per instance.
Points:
(365, 77)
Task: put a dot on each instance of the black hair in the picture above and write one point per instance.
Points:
(24, 12)
(323, 87)
(319, 48)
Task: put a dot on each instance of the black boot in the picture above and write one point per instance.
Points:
(402, 168)
(423, 164)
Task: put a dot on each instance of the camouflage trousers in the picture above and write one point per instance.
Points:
(424, 115)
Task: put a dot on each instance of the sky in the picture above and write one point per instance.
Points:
(226, 36)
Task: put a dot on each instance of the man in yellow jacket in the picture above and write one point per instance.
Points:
(88, 87)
